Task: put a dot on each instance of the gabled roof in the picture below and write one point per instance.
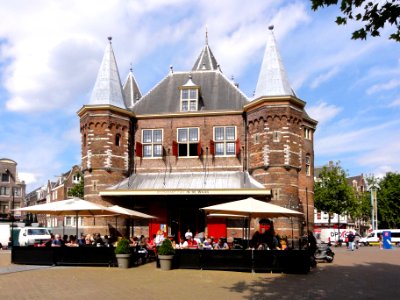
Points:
(108, 89)
(216, 93)
(131, 90)
(273, 80)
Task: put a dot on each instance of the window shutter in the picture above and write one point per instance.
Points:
(237, 147)
(174, 148)
(212, 147)
(139, 149)
(199, 148)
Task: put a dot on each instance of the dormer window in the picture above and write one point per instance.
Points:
(189, 99)
(189, 96)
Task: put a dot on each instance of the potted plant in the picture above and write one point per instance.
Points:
(166, 254)
(123, 253)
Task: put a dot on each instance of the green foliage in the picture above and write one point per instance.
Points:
(332, 193)
(374, 15)
(389, 201)
(77, 190)
(123, 247)
(166, 248)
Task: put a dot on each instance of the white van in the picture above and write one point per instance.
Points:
(372, 237)
(29, 236)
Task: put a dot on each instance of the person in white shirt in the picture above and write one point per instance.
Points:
(159, 238)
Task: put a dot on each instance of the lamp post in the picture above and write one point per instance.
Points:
(12, 216)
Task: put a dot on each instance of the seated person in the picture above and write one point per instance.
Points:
(192, 244)
(149, 244)
(208, 244)
(98, 241)
(57, 242)
(221, 245)
(283, 245)
(183, 244)
(88, 240)
(72, 242)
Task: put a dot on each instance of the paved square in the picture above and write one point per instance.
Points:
(367, 273)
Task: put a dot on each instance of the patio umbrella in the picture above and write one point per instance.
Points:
(74, 206)
(133, 214)
(251, 208)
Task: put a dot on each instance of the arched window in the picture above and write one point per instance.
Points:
(118, 140)
(84, 140)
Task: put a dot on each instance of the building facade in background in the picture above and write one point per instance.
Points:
(194, 140)
(12, 190)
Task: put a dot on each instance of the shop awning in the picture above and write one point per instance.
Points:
(185, 183)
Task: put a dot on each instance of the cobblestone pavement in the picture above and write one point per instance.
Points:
(367, 273)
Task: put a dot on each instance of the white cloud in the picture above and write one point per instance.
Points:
(395, 103)
(324, 77)
(323, 112)
(392, 84)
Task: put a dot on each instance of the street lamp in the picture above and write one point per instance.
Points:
(374, 205)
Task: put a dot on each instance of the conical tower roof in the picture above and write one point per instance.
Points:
(108, 89)
(131, 90)
(206, 60)
(273, 80)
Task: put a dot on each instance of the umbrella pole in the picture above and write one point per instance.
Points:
(76, 225)
(116, 226)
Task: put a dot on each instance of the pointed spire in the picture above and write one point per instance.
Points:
(131, 89)
(272, 80)
(206, 60)
(108, 89)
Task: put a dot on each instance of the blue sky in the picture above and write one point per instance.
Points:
(50, 52)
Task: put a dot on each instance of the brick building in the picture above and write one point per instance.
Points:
(194, 140)
(12, 190)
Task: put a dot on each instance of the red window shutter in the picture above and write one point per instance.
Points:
(174, 148)
(212, 147)
(237, 147)
(199, 148)
(139, 149)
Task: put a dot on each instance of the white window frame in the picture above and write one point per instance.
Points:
(188, 142)
(307, 133)
(308, 165)
(224, 142)
(191, 102)
(150, 146)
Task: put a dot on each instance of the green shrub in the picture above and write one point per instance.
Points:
(166, 248)
(123, 247)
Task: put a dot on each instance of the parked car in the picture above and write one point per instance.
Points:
(30, 236)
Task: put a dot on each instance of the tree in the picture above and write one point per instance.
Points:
(332, 193)
(374, 15)
(77, 190)
(389, 201)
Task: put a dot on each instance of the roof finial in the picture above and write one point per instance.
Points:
(131, 69)
(271, 27)
(206, 36)
(109, 38)
(171, 68)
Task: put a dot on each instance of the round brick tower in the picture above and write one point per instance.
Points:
(280, 150)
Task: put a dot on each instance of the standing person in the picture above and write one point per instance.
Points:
(159, 238)
(188, 234)
(380, 241)
(350, 238)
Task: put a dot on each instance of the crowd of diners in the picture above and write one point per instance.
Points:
(264, 240)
